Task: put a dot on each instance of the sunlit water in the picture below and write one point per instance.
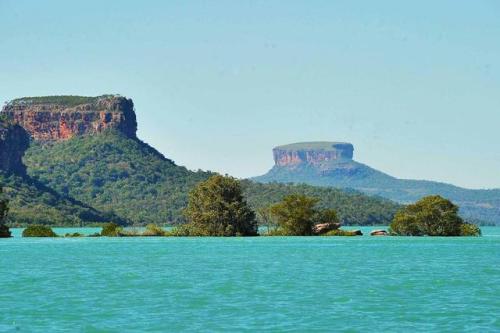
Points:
(255, 284)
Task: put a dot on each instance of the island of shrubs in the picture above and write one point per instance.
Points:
(217, 208)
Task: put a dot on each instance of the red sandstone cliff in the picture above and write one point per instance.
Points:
(313, 153)
(47, 119)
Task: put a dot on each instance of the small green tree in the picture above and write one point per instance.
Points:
(4, 208)
(111, 230)
(431, 216)
(469, 229)
(266, 218)
(216, 207)
(327, 216)
(38, 230)
(296, 214)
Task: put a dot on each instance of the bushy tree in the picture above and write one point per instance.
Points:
(431, 216)
(111, 230)
(327, 216)
(4, 208)
(296, 214)
(153, 230)
(469, 229)
(216, 207)
(37, 230)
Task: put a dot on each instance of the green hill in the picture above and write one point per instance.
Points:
(31, 202)
(114, 173)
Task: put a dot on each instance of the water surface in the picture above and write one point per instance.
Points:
(250, 284)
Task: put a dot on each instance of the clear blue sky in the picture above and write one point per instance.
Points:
(415, 86)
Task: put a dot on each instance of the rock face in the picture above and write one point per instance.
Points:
(312, 153)
(59, 118)
(14, 141)
(323, 228)
(379, 233)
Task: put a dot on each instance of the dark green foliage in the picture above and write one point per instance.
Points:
(431, 216)
(216, 207)
(327, 216)
(295, 214)
(4, 231)
(116, 174)
(153, 230)
(74, 235)
(111, 230)
(471, 230)
(352, 207)
(4, 208)
(67, 101)
(37, 230)
(31, 202)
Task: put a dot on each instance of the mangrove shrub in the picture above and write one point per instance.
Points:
(431, 216)
(216, 207)
(37, 230)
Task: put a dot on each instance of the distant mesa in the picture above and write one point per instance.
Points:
(313, 153)
(57, 118)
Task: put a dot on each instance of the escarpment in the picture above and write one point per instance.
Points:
(14, 141)
(313, 153)
(57, 118)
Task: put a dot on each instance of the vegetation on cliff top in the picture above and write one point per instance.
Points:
(315, 145)
(64, 100)
(431, 216)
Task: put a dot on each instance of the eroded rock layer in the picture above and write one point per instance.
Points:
(62, 117)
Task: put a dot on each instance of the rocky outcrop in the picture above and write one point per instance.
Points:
(14, 141)
(322, 228)
(379, 233)
(59, 118)
(312, 153)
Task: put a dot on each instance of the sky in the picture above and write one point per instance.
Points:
(414, 86)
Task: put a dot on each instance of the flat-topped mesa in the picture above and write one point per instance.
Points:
(313, 153)
(56, 118)
(14, 141)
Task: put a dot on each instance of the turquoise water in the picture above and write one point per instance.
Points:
(250, 284)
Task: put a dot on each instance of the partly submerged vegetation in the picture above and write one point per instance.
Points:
(37, 230)
(216, 207)
(432, 216)
(296, 215)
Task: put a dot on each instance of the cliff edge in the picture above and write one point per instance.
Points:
(58, 118)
